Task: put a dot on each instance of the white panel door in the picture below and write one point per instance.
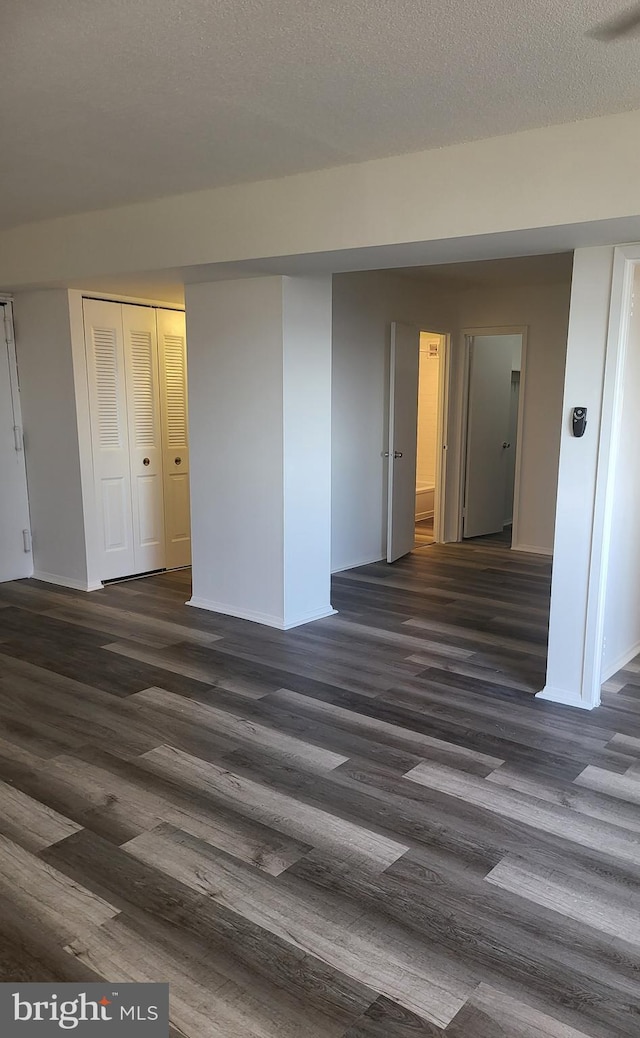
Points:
(488, 446)
(172, 348)
(106, 374)
(15, 562)
(145, 436)
(403, 438)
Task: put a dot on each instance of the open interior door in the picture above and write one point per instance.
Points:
(403, 436)
(488, 448)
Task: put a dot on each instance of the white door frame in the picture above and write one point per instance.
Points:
(442, 446)
(81, 384)
(625, 259)
(467, 335)
(442, 434)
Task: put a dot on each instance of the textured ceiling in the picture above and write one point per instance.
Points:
(105, 103)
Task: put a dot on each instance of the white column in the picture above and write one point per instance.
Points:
(259, 361)
(57, 455)
(571, 663)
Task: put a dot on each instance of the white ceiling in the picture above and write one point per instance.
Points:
(509, 273)
(105, 103)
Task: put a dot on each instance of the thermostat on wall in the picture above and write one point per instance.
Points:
(579, 421)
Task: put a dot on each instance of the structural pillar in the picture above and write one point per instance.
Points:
(574, 662)
(259, 362)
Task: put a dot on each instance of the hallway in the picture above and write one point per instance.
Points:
(482, 609)
(363, 828)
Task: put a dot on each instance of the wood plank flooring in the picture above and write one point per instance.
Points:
(367, 827)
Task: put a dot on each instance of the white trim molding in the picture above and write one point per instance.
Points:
(532, 549)
(564, 697)
(267, 619)
(70, 582)
(357, 564)
(625, 260)
(621, 662)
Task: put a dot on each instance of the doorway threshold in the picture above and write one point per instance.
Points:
(134, 576)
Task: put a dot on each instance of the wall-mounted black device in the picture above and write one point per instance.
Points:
(579, 420)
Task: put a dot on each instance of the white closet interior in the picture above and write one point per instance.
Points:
(136, 370)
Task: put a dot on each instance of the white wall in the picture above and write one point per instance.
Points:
(234, 344)
(43, 344)
(544, 309)
(364, 305)
(428, 383)
(259, 361)
(622, 597)
(567, 679)
(93, 540)
(15, 562)
(307, 447)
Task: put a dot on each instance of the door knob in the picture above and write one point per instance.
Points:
(397, 454)
(146, 461)
(178, 461)
(505, 445)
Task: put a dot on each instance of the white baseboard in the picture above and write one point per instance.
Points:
(564, 697)
(266, 619)
(532, 549)
(75, 585)
(290, 624)
(358, 563)
(6, 578)
(622, 660)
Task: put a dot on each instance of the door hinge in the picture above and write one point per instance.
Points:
(8, 326)
(18, 438)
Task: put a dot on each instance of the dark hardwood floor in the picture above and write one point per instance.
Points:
(363, 828)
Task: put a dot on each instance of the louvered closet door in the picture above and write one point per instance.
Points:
(173, 397)
(145, 436)
(108, 409)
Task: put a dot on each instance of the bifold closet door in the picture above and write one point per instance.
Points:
(145, 436)
(106, 373)
(172, 350)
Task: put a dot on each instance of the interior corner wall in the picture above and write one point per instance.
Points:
(544, 309)
(47, 393)
(364, 306)
(307, 447)
(621, 630)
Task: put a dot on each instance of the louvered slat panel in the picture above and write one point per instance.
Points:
(105, 351)
(144, 424)
(176, 396)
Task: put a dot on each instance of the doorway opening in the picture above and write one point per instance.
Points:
(493, 415)
(429, 454)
